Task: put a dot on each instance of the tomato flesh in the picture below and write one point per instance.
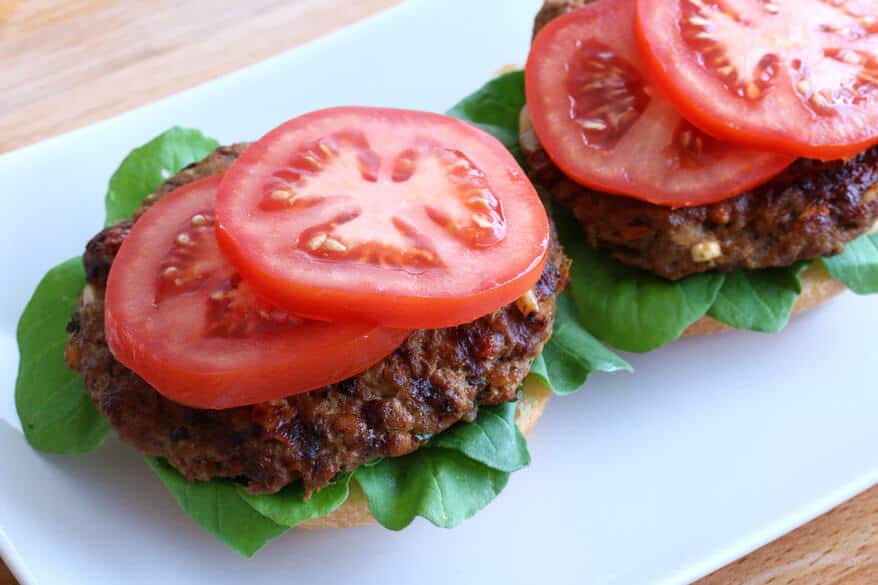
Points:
(182, 318)
(799, 78)
(405, 219)
(603, 122)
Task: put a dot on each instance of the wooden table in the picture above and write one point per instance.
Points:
(68, 63)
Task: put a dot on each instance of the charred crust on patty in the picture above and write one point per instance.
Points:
(811, 210)
(435, 379)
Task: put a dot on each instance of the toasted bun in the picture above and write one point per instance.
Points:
(355, 511)
(818, 287)
(817, 284)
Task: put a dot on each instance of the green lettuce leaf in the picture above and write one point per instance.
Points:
(634, 310)
(492, 439)
(443, 486)
(758, 300)
(495, 108)
(459, 472)
(289, 507)
(218, 508)
(572, 353)
(629, 308)
(857, 266)
(147, 167)
(56, 414)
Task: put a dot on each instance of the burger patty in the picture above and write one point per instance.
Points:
(811, 210)
(433, 380)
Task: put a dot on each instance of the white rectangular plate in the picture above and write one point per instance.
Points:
(713, 448)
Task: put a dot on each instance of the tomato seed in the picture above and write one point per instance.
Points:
(482, 220)
(593, 124)
(334, 245)
(317, 241)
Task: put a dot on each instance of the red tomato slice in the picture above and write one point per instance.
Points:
(607, 127)
(180, 316)
(798, 77)
(406, 219)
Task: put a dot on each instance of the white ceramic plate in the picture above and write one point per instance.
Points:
(713, 448)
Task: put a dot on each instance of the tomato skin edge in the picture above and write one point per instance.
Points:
(215, 391)
(720, 130)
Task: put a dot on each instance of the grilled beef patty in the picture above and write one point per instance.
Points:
(813, 209)
(433, 380)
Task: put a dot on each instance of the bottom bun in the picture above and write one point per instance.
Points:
(818, 287)
(355, 511)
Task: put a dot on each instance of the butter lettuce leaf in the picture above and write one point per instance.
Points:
(219, 509)
(492, 439)
(626, 307)
(56, 414)
(148, 166)
(496, 108)
(452, 477)
(758, 300)
(572, 353)
(442, 485)
(857, 266)
(289, 507)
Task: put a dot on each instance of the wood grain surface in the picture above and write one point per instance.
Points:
(68, 63)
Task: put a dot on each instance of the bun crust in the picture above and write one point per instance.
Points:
(355, 511)
(818, 287)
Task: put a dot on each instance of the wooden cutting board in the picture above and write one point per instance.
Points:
(68, 63)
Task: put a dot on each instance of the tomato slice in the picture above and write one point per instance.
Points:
(607, 127)
(179, 316)
(401, 218)
(794, 77)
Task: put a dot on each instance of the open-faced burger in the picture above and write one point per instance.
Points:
(717, 157)
(287, 315)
